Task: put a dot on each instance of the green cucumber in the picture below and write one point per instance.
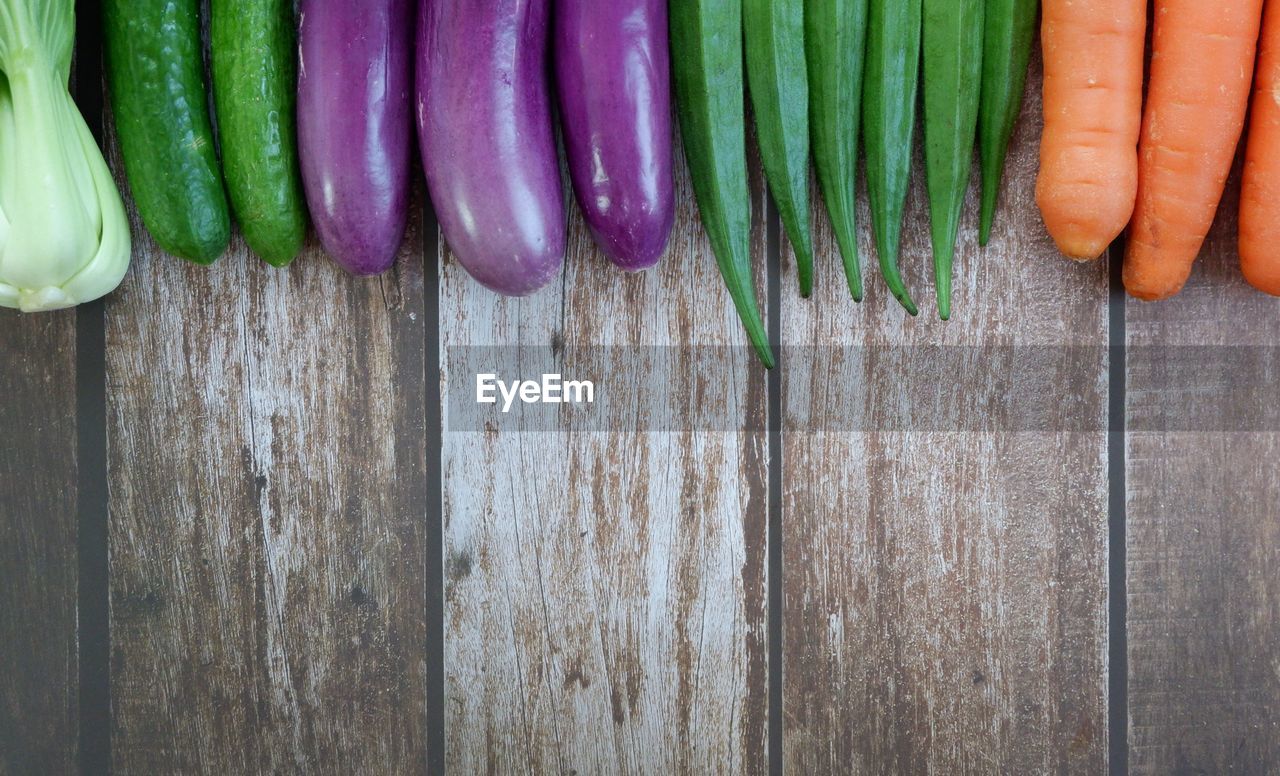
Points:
(1006, 52)
(253, 56)
(706, 53)
(835, 43)
(775, 43)
(952, 84)
(156, 76)
(891, 87)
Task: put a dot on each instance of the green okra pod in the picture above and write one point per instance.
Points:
(891, 87)
(835, 44)
(776, 73)
(1010, 33)
(952, 84)
(707, 67)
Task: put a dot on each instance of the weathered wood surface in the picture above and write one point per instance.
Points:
(38, 653)
(267, 476)
(605, 592)
(1203, 532)
(946, 590)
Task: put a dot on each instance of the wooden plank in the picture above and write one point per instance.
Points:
(267, 475)
(38, 572)
(1203, 509)
(946, 587)
(605, 591)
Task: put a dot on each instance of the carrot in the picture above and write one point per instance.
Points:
(1093, 52)
(1260, 191)
(1201, 70)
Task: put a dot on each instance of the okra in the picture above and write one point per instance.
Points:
(776, 73)
(1006, 50)
(891, 87)
(952, 85)
(835, 44)
(706, 48)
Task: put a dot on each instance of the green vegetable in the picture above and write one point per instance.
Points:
(1006, 50)
(835, 42)
(706, 48)
(889, 120)
(156, 75)
(253, 52)
(775, 42)
(952, 82)
(64, 236)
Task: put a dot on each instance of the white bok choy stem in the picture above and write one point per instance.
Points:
(64, 235)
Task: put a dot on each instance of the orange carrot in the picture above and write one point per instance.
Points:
(1260, 192)
(1201, 69)
(1093, 51)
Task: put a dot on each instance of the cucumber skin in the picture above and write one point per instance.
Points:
(952, 84)
(156, 76)
(1008, 39)
(891, 88)
(706, 62)
(779, 87)
(254, 63)
(835, 44)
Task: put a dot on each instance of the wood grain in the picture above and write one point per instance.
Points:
(267, 476)
(38, 572)
(945, 589)
(605, 592)
(1203, 511)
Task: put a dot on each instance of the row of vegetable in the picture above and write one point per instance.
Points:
(325, 134)
(312, 121)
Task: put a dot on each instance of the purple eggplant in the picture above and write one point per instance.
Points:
(355, 126)
(488, 145)
(613, 74)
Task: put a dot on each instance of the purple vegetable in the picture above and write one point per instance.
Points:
(355, 126)
(484, 121)
(613, 75)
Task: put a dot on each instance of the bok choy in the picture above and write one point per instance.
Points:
(64, 236)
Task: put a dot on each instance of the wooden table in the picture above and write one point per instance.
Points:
(235, 537)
